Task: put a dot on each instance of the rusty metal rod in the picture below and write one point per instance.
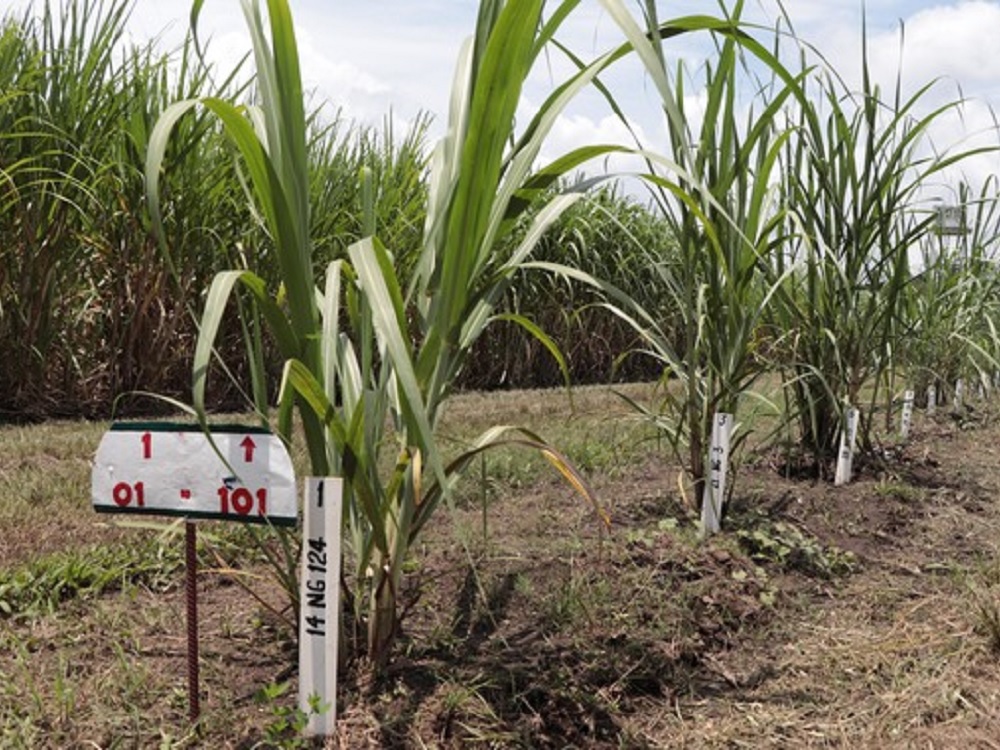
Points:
(191, 564)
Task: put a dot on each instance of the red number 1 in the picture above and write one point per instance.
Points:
(147, 445)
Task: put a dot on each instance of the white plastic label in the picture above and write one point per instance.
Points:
(319, 604)
(907, 417)
(848, 437)
(718, 467)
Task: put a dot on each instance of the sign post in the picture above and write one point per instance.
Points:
(319, 604)
(191, 596)
(236, 473)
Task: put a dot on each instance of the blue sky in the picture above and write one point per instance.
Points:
(370, 57)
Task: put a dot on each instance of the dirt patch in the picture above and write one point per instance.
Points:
(822, 617)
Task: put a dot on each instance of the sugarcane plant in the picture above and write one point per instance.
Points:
(727, 223)
(422, 331)
(87, 313)
(952, 308)
(714, 189)
(372, 357)
(851, 177)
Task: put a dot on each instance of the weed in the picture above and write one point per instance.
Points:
(466, 708)
(790, 548)
(899, 491)
(286, 725)
(983, 586)
(42, 585)
(988, 619)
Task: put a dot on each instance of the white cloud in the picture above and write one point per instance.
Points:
(372, 57)
(954, 40)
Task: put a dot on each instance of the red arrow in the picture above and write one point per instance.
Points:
(248, 445)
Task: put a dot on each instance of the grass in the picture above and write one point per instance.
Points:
(566, 418)
(47, 469)
(40, 586)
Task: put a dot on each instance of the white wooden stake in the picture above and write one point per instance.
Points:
(319, 604)
(848, 436)
(718, 467)
(959, 395)
(931, 400)
(907, 417)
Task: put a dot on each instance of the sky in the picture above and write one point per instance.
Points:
(373, 58)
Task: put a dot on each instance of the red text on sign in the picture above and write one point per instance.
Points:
(124, 493)
(241, 501)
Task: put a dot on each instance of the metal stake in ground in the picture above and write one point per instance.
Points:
(191, 565)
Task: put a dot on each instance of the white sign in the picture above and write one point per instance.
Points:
(319, 604)
(159, 468)
(848, 437)
(907, 418)
(951, 220)
(931, 400)
(959, 394)
(718, 467)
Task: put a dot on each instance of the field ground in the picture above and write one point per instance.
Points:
(859, 617)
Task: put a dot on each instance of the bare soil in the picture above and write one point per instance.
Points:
(864, 616)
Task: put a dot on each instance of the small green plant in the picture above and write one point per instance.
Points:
(907, 493)
(982, 585)
(785, 545)
(286, 725)
(987, 623)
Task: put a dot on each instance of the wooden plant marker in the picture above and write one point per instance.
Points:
(931, 400)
